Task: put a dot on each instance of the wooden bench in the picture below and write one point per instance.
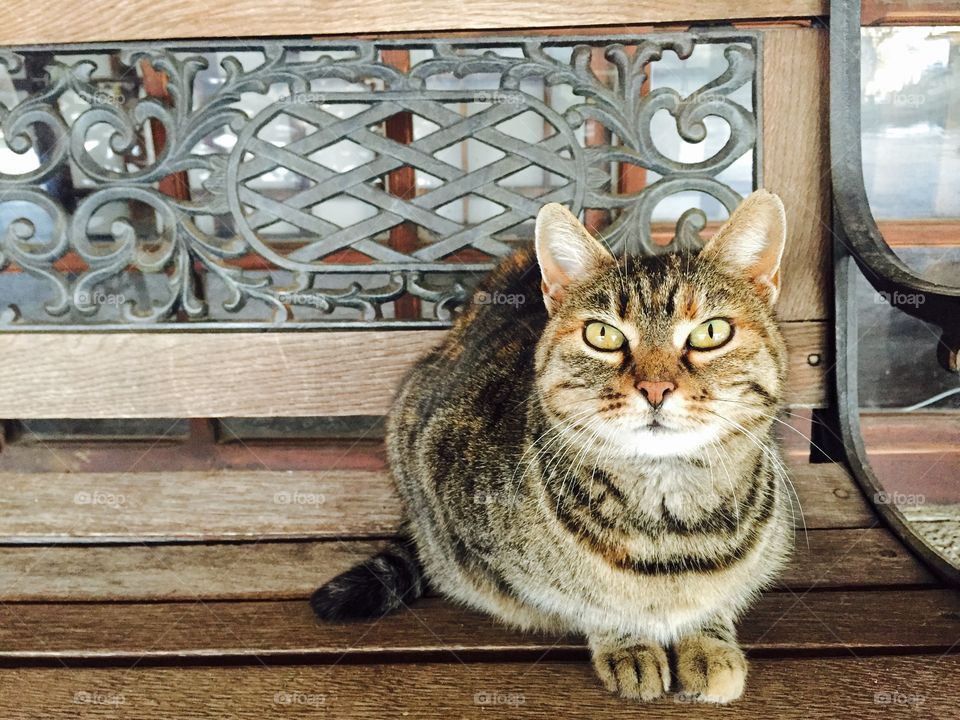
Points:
(155, 579)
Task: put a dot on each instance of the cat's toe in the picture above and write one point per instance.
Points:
(710, 670)
(641, 672)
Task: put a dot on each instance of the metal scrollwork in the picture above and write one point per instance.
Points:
(87, 214)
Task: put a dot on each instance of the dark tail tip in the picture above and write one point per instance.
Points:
(375, 587)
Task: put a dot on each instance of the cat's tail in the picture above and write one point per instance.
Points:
(391, 578)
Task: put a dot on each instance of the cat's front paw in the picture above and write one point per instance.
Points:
(639, 671)
(710, 670)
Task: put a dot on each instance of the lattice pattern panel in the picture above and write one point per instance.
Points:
(345, 183)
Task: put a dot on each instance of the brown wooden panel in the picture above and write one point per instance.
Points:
(910, 12)
(205, 374)
(237, 505)
(921, 233)
(811, 357)
(287, 570)
(786, 689)
(795, 165)
(51, 21)
(852, 558)
(825, 621)
(92, 375)
(141, 507)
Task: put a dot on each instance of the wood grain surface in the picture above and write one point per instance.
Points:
(781, 688)
(795, 164)
(822, 559)
(239, 505)
(227, 374)
(50, 21)
(824, 621)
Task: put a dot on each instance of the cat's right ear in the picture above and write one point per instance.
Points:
(566, 252)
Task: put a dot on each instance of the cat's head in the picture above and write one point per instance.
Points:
(662, 356)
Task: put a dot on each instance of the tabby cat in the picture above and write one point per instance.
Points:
(590, 450)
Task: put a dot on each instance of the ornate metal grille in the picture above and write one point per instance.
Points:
(258, 185)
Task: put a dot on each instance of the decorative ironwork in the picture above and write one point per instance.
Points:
(92, 221)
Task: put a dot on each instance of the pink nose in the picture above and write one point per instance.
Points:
(655, 391)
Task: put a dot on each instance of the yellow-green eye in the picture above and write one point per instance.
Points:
(711, 334)
(601, 336)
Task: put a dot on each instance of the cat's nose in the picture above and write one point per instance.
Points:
(655, 391)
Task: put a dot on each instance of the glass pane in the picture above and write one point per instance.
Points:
(910, 411)
(910, 106)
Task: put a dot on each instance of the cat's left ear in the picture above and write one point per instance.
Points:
(750, 244)
(566, 252)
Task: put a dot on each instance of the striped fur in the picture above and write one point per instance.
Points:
(530, 494)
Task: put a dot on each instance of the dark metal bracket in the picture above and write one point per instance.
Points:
(859, 243)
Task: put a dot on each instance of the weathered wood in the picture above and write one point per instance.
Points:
(851, 687)
(288, 570)
(117, 375)
(852, 558)
(786, 689)
(204, 375)
(237, 505)
(910, 12)
(233, 505)
(920, 233)
(50, 21)
(795, 163)
(827, 621)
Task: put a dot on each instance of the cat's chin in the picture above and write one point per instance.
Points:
(659, 440)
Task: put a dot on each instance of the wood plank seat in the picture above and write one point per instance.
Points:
(787, 688)
(167, 581)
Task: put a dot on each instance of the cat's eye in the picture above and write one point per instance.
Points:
(602, 336)
(710, 335)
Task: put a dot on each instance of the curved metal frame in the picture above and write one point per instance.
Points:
(858, 240)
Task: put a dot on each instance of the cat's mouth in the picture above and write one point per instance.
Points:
(656, 426)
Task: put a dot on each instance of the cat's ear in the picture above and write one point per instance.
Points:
(566, 252)
(750, 243)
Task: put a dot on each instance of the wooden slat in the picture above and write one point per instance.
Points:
(236, 505)
(251, 374)
(863, 621)
(288, 570)
(795, 164)
(910, 12)
(852, 558)
(205, 375)
(807, 382)
(786, 689)
(921, 233)
(50, 21)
